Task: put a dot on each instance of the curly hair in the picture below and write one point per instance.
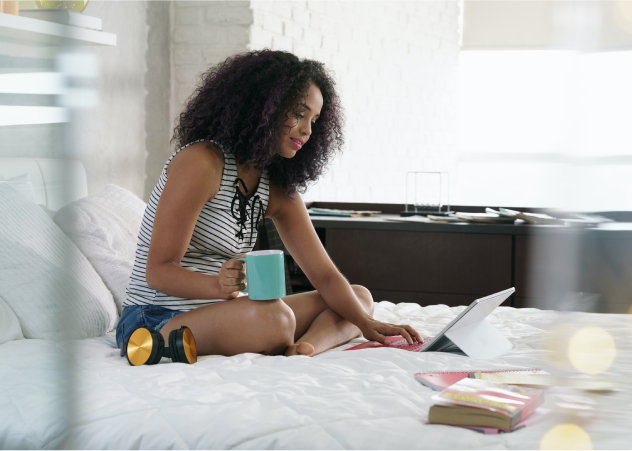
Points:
(243, 103)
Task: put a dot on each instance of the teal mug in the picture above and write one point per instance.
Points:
(265, 275)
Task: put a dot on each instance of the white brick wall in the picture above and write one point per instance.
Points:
(395, 63)
(203, 33)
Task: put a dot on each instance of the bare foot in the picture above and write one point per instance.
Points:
(302, 348)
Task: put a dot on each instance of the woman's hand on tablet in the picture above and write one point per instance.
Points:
(377, 331)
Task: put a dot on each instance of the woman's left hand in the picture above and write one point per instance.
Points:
(376, 331)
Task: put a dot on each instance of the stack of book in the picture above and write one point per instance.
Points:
(483, 405)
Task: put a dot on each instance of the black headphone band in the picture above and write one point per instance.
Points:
(173, 348)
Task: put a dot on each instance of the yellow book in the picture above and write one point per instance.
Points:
(470, 416)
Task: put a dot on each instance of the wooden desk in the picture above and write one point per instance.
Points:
(454, 264)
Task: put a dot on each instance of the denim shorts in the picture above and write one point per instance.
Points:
(135, 316)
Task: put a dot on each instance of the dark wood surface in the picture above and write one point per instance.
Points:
(382, 222)
(422, 262)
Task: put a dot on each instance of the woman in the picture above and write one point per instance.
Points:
(260, 126)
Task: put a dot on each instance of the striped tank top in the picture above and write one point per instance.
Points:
(223, 231)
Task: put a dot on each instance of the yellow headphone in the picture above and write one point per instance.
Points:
(146, 346)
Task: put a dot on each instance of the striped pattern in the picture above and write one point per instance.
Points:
(213, 242)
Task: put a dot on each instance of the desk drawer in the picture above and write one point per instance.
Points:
(456, 263)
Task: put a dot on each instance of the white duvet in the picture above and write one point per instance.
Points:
(341, 399)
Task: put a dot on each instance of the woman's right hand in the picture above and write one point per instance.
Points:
(232, 277)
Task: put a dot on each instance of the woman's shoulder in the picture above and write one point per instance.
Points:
(200, 156)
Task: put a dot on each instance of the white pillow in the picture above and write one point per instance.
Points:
(48, 283)
(105, 227)
(9, 325)
(21, 184)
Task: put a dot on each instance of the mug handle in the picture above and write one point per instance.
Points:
(245, 290)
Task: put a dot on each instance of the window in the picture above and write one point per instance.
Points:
(545, 128)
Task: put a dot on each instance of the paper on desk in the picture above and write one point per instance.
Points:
(409, 219)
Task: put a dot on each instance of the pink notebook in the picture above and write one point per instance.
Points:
(440, 380)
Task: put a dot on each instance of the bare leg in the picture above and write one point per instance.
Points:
(297, 324)
(237, 326)
(318, 325)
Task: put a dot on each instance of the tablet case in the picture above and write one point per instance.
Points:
(473, 335)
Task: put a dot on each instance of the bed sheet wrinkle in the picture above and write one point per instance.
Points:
(118, 434)
(253, 417)
(294, 438)
(40, 403)
(17, 432)
(409, 433)
(172, 421)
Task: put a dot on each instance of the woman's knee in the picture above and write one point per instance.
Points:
(278, 319)
(365, 297)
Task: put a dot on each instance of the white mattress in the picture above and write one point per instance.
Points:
(357, 399)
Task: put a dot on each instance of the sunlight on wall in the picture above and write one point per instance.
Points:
(545, 128)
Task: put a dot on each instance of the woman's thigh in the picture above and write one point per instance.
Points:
(237, 326)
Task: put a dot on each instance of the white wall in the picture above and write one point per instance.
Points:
(395, 62)
(203, 33)
(111, 139)
(396, 65)
(114, 139)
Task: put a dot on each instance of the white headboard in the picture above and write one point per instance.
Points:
(56, 182)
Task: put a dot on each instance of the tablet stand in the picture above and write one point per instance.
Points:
(479, 340)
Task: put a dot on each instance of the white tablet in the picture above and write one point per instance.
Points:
(469, 333)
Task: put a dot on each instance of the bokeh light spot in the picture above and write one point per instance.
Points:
(625, 7)
(555, 343)
(566, 436)
(623, 15)
(591, 350)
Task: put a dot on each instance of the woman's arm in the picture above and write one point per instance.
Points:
(297, 232)
(194, 177)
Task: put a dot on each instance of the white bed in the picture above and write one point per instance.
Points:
(82, 394)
